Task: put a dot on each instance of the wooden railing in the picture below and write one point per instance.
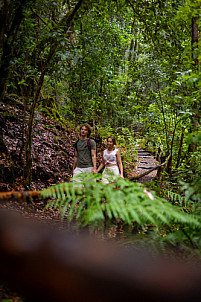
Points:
(49, 265)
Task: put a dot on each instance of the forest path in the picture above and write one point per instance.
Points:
(145, 162)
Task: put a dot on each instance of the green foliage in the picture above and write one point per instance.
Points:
(119, 64)
(193, 192)
(192, 186)
(90, 202)
(177, 198)
(127, 144)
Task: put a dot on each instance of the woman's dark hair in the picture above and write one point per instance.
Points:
(88, 128)
(113, 139)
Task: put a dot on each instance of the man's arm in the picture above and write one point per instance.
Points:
(75, 160)
(93, 155)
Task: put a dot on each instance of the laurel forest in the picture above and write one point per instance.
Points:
(129, 68)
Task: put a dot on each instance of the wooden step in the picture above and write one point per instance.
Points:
(143, 167)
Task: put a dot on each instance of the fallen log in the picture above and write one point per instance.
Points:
(151, 170)
(20, 195)
(46, 265)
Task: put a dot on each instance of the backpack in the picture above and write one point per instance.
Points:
(88, 144)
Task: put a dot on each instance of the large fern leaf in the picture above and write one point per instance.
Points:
(91, 201)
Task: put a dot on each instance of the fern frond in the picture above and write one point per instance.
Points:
(134, 215)
(89, 201)
(177, 197)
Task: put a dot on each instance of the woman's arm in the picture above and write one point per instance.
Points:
(120, 164)
(102, 165)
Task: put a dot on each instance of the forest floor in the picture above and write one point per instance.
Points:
(53, 153)
(52, 150)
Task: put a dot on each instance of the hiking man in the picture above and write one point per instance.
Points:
(85, 152)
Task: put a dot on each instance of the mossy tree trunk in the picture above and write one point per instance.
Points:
(11, 18)
(195, 67)
(65, 24)
(28, 145)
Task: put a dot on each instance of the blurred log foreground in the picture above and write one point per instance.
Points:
(46, 265)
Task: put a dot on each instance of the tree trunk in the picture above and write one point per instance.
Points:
(66, 21)
(194, 43)
(180, 148)
(11, 18)
(28, 145)
(3, 147)
(194, 47)
(164, 117)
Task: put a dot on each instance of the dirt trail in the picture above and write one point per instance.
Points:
(146, 161)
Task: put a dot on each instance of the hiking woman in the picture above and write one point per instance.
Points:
(111, 160)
